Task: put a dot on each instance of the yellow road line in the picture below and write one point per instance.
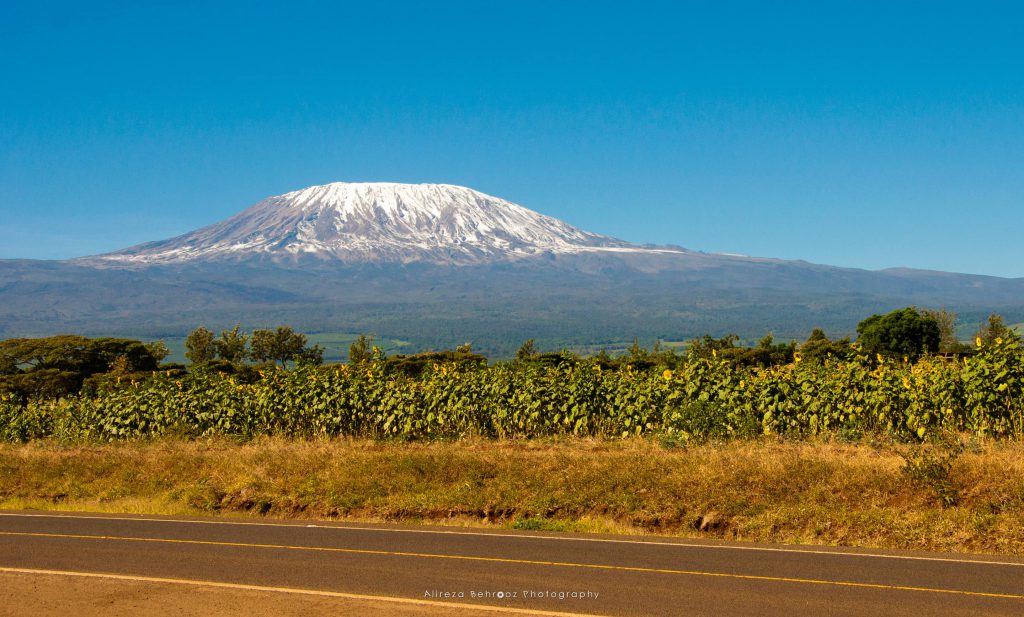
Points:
(532, 562)
(981, 560)
(305, 592)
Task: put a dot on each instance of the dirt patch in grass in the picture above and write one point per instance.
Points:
(770, 491)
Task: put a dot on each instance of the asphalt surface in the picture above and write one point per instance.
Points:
(602, 575)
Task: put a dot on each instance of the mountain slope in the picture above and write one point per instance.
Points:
(375, 223)
(495, 306)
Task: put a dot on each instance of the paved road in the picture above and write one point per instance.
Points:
(601, 575)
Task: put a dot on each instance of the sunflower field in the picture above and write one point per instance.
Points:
(698, 400)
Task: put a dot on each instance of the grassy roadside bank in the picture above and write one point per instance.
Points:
(768, 491)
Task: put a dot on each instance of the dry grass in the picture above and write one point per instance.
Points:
(816, 493)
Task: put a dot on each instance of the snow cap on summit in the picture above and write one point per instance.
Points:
(354, 222)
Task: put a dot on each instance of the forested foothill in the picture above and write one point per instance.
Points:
(906, 375)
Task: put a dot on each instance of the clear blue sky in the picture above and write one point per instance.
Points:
(866, 134)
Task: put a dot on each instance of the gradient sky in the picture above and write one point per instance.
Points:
(866, 134)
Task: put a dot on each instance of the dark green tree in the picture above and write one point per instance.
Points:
(361, 349)
(605, 360)
(58, 365)
(159, 350)
(103, 351)
(310, 356)
(636, 352)
(232, 345)
(76, 354)
(903, 332)
(707, 346)
(280, 345)
(65, 352)
(199, 346)
(527, 351)
(8, 366)
(818, 348)
(416, 364)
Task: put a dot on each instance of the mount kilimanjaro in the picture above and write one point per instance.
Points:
(355, 223)
(438, 265)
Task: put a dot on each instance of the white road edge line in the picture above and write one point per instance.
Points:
(292, 590)
(765, 549)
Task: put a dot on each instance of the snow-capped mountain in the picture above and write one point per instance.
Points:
(438, 265)
(377, 222)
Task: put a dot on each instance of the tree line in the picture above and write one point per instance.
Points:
(280, 346)
(56, 366)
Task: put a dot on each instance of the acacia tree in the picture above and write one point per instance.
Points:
(59, 365)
